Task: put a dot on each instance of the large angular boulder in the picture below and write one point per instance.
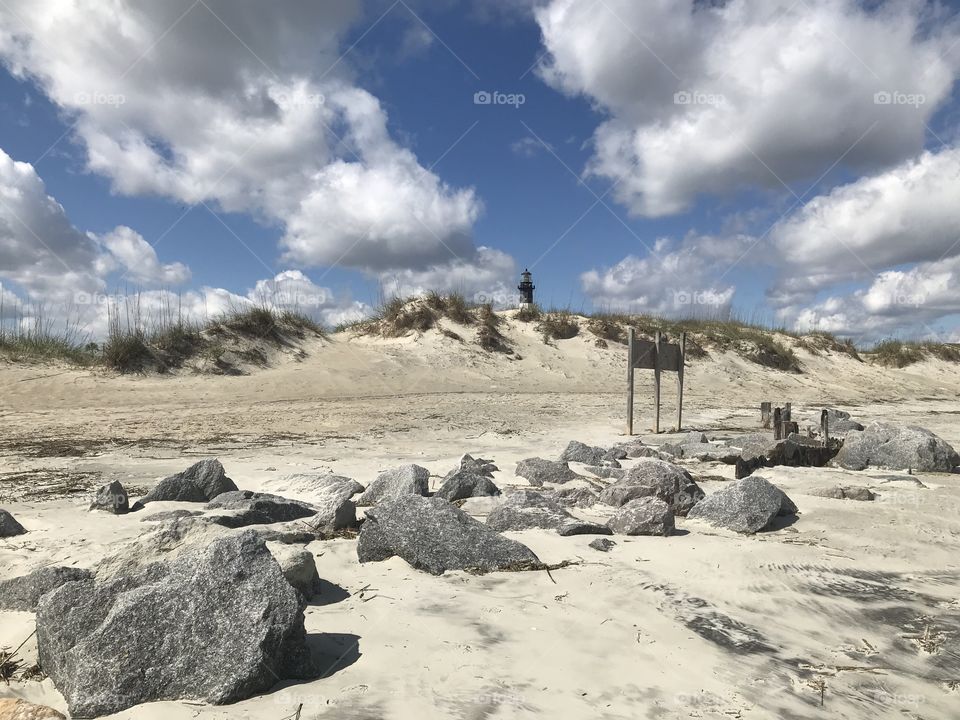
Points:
(580, 497)
(298, 566)
(465, 484)
(538, 471)
(163, 543)
(474, 466)
(576, 526)
(9, 525)
(527, 510)
(898, 447)
(22, 593)
(839, 492)
(745, 506)
(606, 472)
(657, 478)
(111, 498)
(395, 483)
(313, 488)
(333, 513)
(250, 508)
(435, 536)
(200, 482)
(219, 623)
(581, 453)
(643, 516)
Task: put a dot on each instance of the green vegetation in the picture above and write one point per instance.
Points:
(558, 325)
(161, 343)
(902, 353)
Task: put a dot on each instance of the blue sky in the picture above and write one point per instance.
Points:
(612, 190)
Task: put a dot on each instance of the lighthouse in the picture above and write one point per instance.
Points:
(526, 288)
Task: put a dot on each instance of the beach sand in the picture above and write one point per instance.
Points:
(850, 611)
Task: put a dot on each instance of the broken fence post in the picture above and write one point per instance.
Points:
(777, 424)
(825, 427)
(765, 411)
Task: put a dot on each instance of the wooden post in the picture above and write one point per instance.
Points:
(630, 339)
(765, 410)
(656, 383)
(777, 425)
(787, 411)
(683, 358)
(825, 427)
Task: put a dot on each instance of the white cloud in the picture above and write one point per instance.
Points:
(907, 214)
(247, 107)
(711, 97)
(487, 276)
(907, 302)
(139, 259)
(685, 279)
(39, 249)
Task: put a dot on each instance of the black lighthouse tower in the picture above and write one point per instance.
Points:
(526, 288)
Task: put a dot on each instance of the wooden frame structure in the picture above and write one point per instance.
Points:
(659, 356)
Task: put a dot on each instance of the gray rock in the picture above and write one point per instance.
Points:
(474, 466)
(166, 515)
(332, 513)
(580, 497)
(575, 526)
(22, 593)
(800, 451)
(219, 623)
(526, 510)
(606, 472)
(838, 492)
(578, 452)
(200, 482)
(314, 488)
(671, 483)
(298, 566)
(250, 508)
(9, 525)
(615, 453)
(161, 544)
(111, 498)
(745, 506)
(838, 422)
(717, 452)
(602, 544)
(538, 471)
(395, 483)
(433, 535)
(465, 484)
(643, 516)
(896, 447)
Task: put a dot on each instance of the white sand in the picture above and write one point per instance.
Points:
(703, 624)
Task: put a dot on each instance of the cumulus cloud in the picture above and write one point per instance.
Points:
(40, 250)
(139, 259)
(710, 97)
(905, 215)
(686, 278)
(896, 302)
(484, 277)
(237, 104)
